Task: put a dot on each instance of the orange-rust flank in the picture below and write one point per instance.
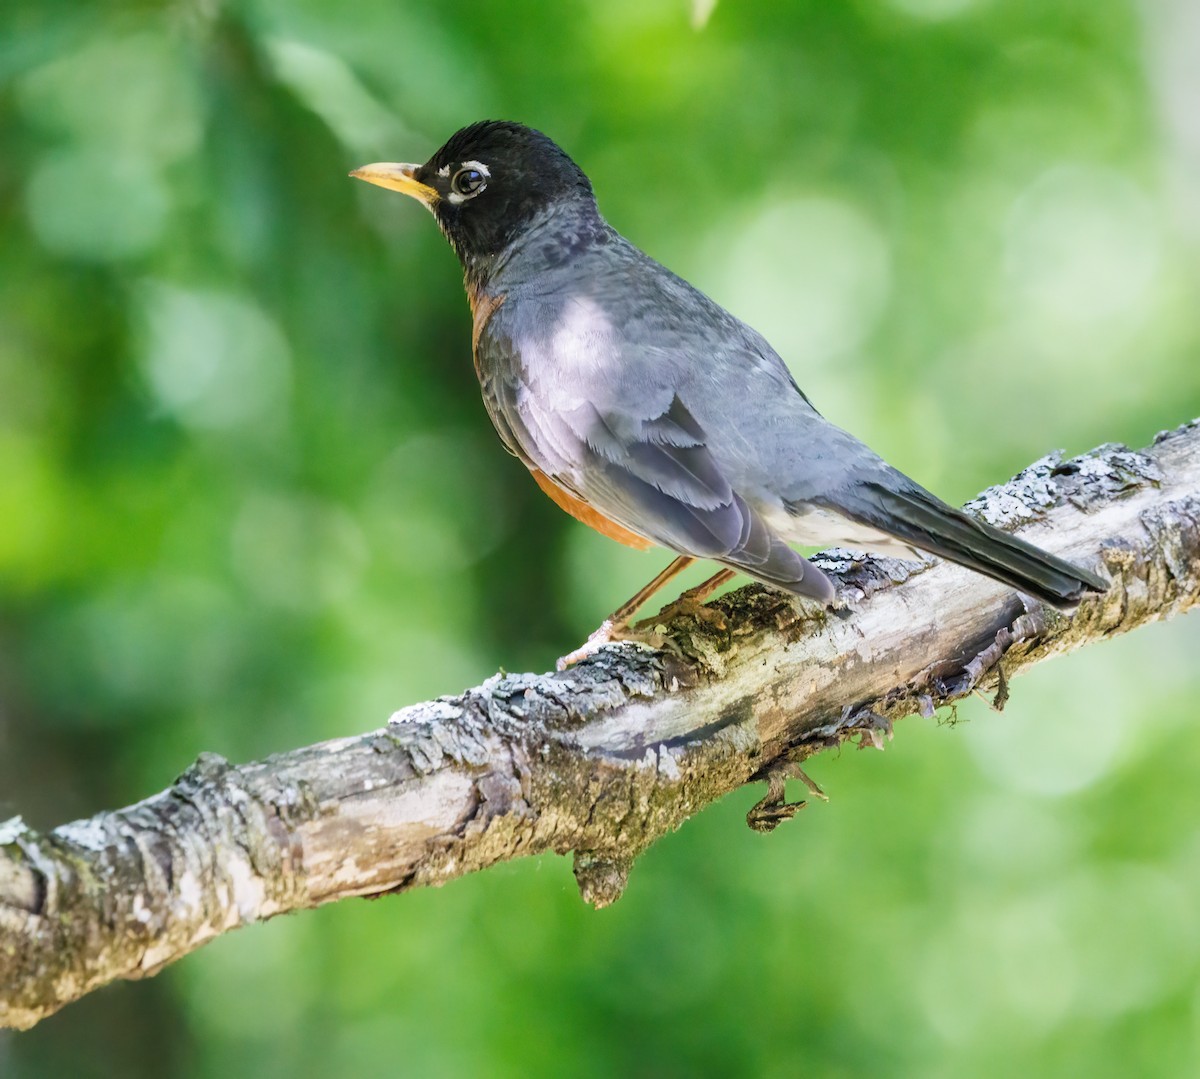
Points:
(483, 306)
(588, 514)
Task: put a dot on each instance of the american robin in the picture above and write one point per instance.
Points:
(651, 413)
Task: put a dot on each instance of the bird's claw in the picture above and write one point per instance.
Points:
(607, 632)
(685, 606)
(649, 631)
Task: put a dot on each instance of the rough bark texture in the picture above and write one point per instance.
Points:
(601, 760)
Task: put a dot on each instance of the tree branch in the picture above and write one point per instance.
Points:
(600, 760)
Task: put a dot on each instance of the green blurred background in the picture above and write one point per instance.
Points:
(249, 500)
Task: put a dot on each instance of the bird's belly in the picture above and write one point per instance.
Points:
(814, 526)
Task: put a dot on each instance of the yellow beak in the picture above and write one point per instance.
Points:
(397, 177)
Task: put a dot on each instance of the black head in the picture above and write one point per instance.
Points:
(488, 184)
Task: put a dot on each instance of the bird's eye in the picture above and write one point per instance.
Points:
(468, 182)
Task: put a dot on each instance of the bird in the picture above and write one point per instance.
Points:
(647, 411)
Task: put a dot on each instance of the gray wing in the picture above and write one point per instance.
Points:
(666, 413)
(600, 408)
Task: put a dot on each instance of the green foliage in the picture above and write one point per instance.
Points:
(249, 499)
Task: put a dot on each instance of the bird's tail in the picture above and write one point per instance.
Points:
(915, 516)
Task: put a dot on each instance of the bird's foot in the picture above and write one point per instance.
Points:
(649, 631)
(691, 605)
(607, 632)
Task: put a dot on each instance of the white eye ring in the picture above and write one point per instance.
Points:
(467, 182)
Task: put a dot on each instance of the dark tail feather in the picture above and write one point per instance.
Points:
(917, 517)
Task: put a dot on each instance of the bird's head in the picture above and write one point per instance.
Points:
(488, 184)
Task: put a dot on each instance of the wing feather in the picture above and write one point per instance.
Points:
(598, 404)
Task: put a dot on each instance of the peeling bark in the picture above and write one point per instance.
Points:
(600, 760)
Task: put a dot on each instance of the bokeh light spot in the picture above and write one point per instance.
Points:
(1133, 933)
(297, 552)
(1082, 250)
(1025, 753)
(435, 504)
(212, 359)
(812, 275)
(331, 89)
(130, 96)
(89, 204)
(934, 10)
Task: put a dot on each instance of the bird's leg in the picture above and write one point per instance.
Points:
(692, 601)
(622, 614)
(617, 622)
